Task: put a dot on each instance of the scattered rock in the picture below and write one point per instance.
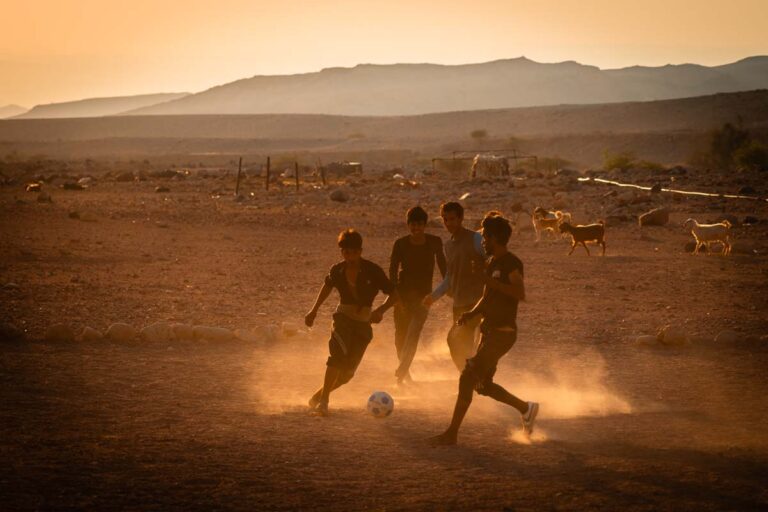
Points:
(34, 187)
(672, 335)
(91, 335)
(750, 219)
(212, 334)
(624, 198)
(339, 195)
(121, 333)
(747, 190)
(656, 189)
(10, 333)
(646, 340)
(159, 332)
(160, 190)
(727, 336)
(655, 217)
(59, 333)
(85, 182)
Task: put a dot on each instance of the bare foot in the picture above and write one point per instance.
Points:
(444, 439)
(320, 410)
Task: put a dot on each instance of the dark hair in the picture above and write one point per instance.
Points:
(416, 214)
(350, 239)
(452, 207)
(496, 226)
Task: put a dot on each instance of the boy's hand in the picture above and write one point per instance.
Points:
(376, 316)
(309, 319)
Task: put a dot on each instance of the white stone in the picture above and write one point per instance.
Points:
(59, 333)
(90, 335)
(121, 333)
(183, 332)
(159, 332)
(672, 335)
(647, 340)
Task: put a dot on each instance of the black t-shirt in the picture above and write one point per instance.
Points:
(416, 264)
(370, 279)
(500, 310)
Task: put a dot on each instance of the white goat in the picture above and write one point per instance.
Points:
(705, 234)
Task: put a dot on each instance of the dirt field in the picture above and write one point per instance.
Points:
(188, 426)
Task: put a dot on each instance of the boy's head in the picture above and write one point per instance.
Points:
(496, 231)
(351, 245)
(417, 220)
(453, 215)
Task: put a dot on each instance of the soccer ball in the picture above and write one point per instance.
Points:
(380, 404)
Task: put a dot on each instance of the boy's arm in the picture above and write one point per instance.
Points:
(394, 263)
(440, 257)
(378, 314)
(386, 286)
(476, 309)
(515, 288)
(439, 291)
(325, 291)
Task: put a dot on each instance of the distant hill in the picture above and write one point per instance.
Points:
(11, 111)
(97, 107)
(411, 89)
(666, 131)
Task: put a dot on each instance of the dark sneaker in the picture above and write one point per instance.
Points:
(530, 417)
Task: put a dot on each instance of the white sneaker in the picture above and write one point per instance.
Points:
(530, 417)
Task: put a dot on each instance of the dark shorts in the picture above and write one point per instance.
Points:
(493, 345)
(348, 342)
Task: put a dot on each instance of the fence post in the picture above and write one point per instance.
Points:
(296, 171)
(239, 170)
(267, 182)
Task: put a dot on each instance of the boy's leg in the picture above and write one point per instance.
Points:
(500, 394)
(418, 315)
(467, 383)
(402, 321)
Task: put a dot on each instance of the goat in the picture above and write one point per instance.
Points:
(705, 234)
(583, 234)
(544, 220)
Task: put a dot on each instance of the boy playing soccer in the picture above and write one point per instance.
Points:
(498, 308)
(358, 282)
(414, 256)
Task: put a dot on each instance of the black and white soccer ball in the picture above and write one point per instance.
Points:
(380, 404)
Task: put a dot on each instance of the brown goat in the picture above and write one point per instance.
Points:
(583, 234)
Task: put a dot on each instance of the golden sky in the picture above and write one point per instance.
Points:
(61, 50)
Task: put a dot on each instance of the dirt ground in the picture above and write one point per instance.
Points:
(187, 426)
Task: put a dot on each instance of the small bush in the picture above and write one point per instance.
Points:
(753, 156)
(623, 160)
(479, 135)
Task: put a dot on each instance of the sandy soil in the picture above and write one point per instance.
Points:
(184, 426)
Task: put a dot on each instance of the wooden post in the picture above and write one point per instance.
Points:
(322, 172)
(239, 170)
(296, 172)
(267, 182)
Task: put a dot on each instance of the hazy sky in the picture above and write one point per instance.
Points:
(60, 50)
